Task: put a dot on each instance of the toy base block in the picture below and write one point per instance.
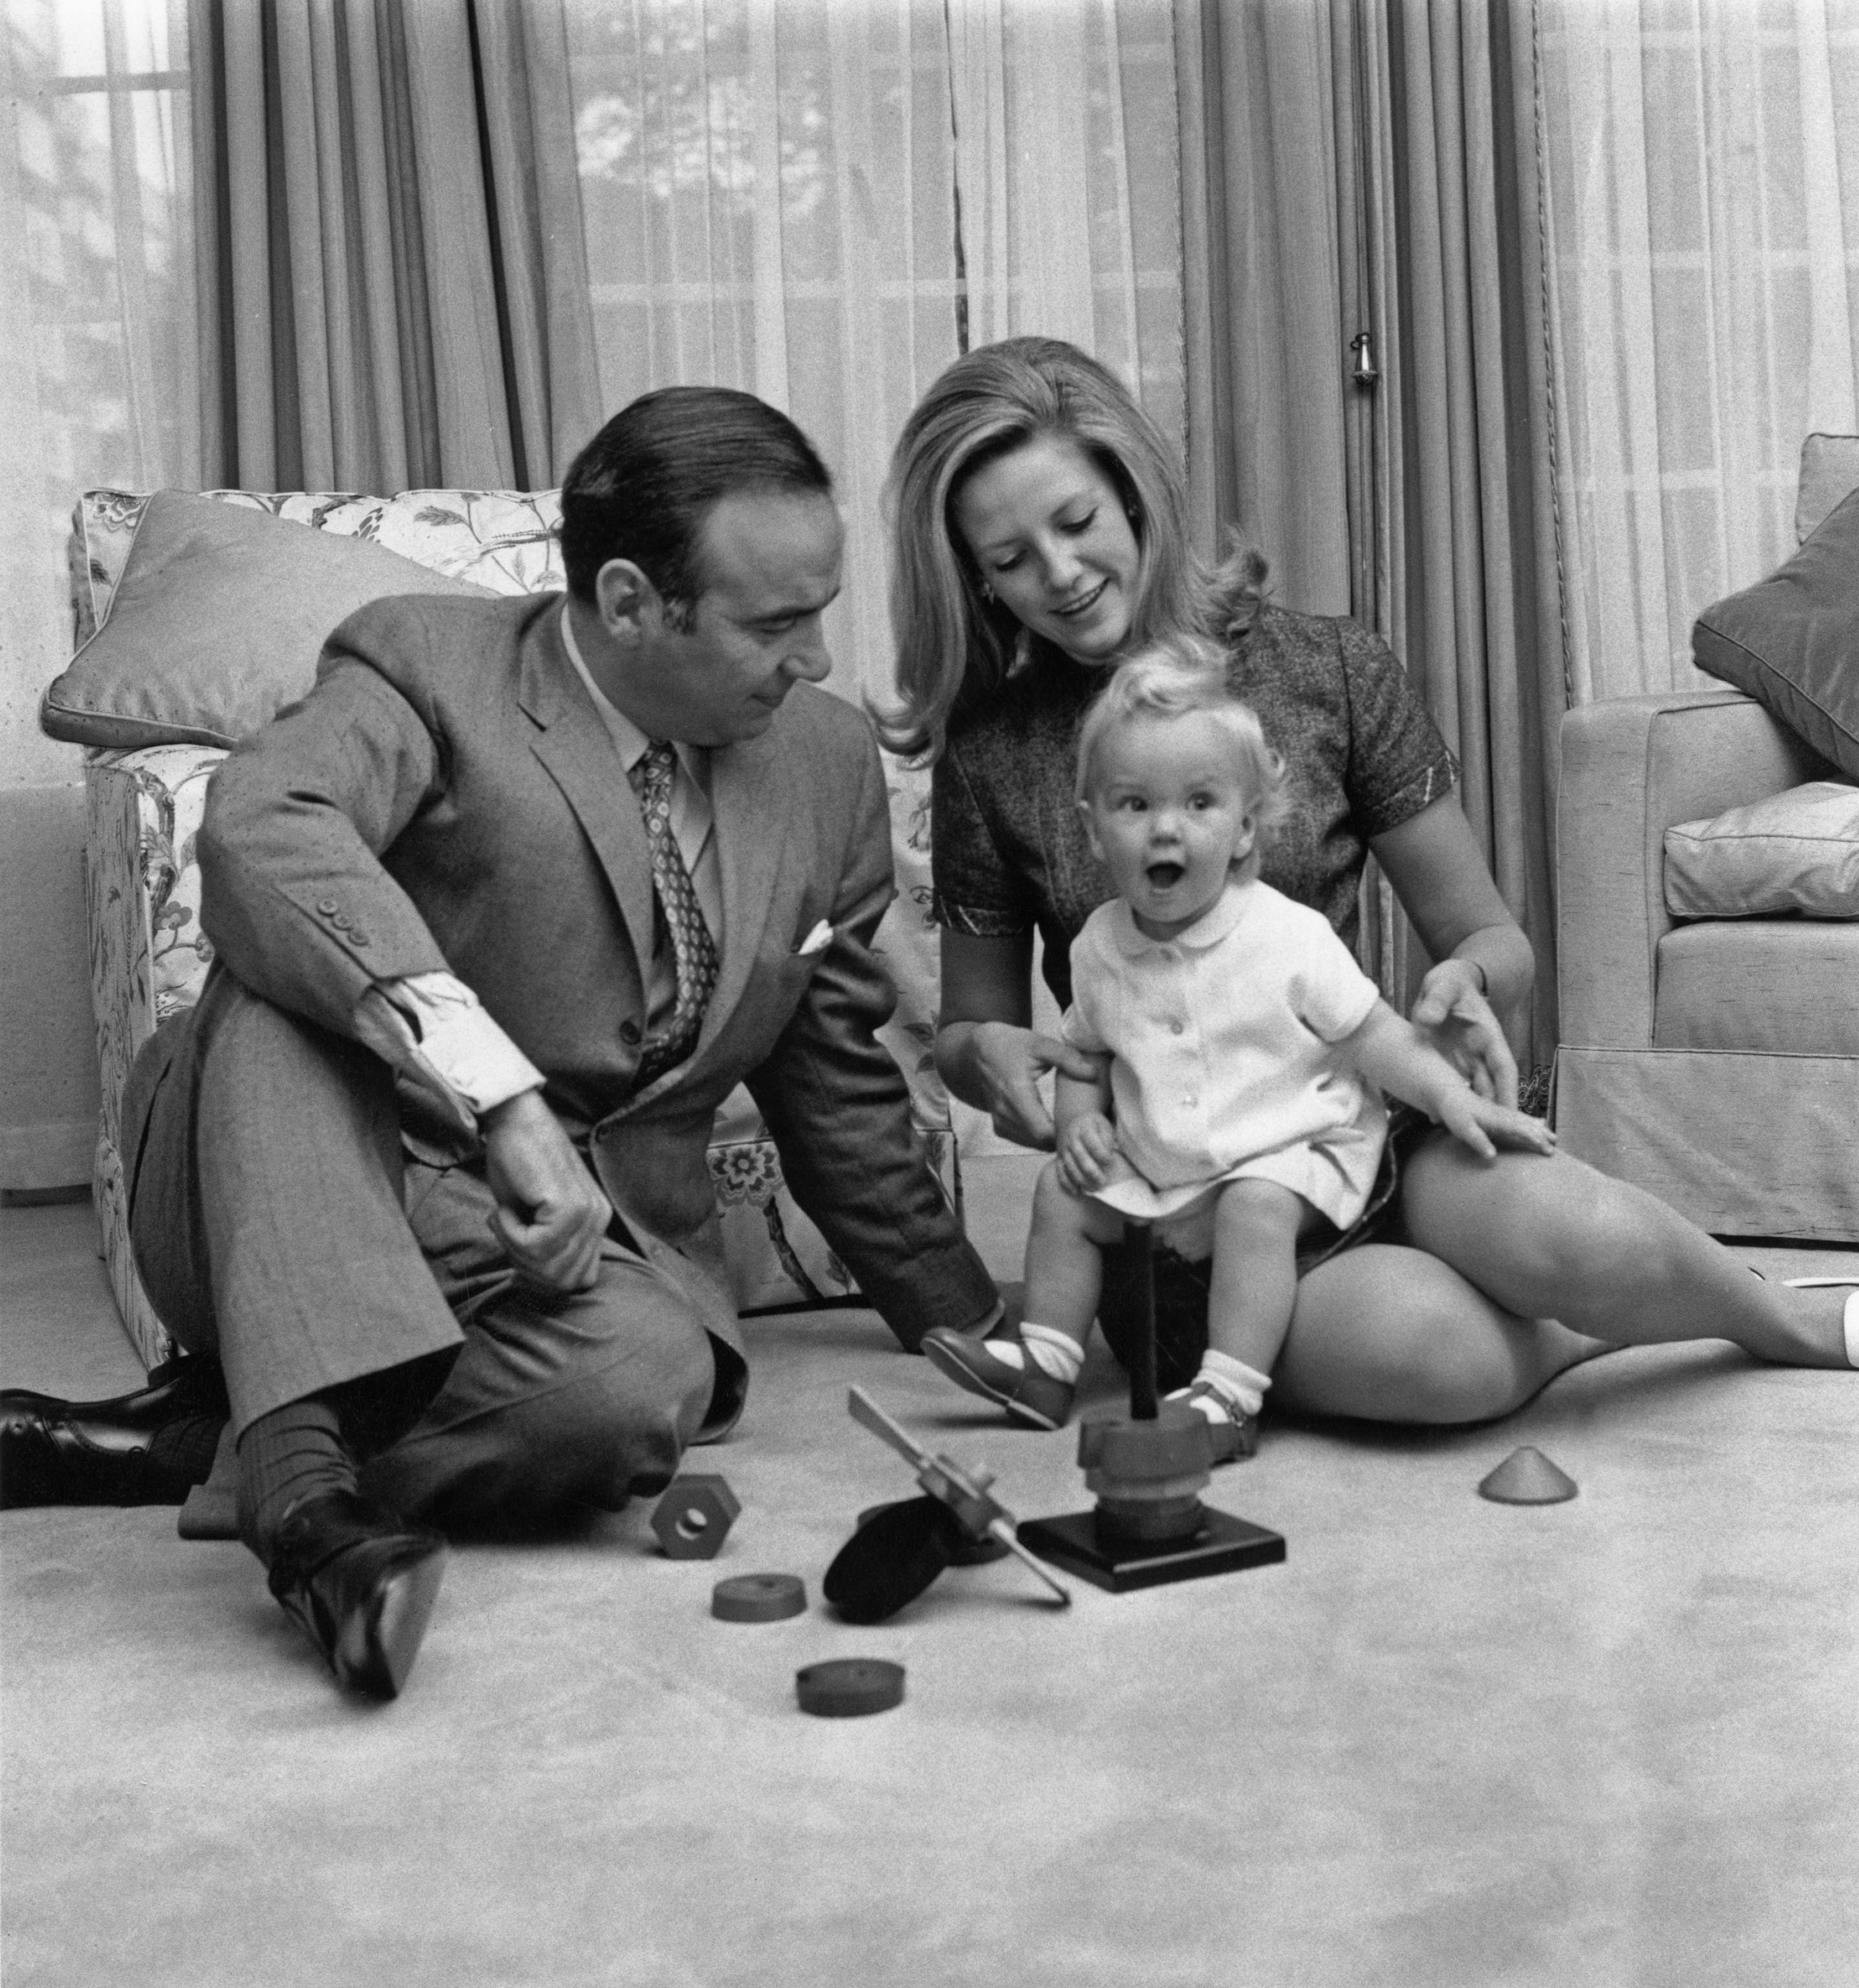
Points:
(1223, 1545)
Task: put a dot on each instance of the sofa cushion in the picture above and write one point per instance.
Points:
(216, 624)
(1791, 641)
(1795, 851)
(1719, 982)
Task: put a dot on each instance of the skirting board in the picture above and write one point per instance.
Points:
(33, 1157)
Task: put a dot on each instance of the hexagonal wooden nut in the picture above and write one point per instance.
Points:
(693, 1518)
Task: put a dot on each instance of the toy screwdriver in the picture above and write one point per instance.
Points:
(965, 1493)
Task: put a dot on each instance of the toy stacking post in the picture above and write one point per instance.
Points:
(1148, 1469)
(1143, 1403)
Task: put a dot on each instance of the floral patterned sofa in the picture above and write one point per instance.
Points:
(148, 957)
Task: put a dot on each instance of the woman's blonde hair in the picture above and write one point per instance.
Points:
(1174, 675)
(950, 638)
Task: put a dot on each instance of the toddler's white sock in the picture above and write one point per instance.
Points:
(1051, 1351)
(1240, 1387)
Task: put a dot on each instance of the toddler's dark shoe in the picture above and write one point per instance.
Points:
(1029, 1394)
(1232, 1437)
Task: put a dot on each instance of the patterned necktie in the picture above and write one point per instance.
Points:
(693, 950)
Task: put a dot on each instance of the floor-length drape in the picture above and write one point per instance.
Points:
(1371, 171)
(1472, 531)
(389, 246)
(1266, 405)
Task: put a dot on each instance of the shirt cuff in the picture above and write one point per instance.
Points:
(435, 1031)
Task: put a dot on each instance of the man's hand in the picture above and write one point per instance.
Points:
(1087, 1150)
(551, 1215)
(1451, 1013)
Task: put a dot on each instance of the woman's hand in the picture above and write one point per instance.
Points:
(1451, 1013)
(1003, 1066)
(1445, 887)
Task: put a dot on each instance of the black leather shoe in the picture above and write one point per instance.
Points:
(58, 1453)
(361, 1582)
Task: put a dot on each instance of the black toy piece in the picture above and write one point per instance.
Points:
(1148, 1469)
(1220, 1544)
(759, 1598)
(849, 1687)
(965, 1550)
(899, 1549)
(891, 1559)
(693, 1516)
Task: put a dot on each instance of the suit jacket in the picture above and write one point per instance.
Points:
(447, 798)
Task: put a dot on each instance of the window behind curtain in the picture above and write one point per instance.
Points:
(821, 201)
(1702, 158)
(99, 364)
(824, 201)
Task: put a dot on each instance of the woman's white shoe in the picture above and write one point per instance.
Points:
(1849, 1319)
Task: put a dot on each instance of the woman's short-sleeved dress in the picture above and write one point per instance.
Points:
(1008, 850)
(1009, 854)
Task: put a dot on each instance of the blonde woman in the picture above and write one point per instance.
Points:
(1039, 536)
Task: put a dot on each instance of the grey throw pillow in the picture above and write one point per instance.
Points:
(1791, 641)
(216, 624)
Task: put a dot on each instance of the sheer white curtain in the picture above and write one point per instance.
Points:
(96, 385)
(1702, 166)
(824, 201)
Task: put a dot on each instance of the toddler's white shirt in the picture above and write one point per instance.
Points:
(1222, 1063)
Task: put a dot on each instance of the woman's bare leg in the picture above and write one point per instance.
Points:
(1394, 1335)
(1552, 1237)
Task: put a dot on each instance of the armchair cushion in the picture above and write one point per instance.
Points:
(216, 623)
(1794, 851)
(1781, 986)
(1791, 641)
(1758, 1138)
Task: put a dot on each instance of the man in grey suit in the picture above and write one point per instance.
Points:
(503, 910)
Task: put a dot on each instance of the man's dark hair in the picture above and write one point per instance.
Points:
(641, 489)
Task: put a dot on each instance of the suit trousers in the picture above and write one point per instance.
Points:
(279, 1226)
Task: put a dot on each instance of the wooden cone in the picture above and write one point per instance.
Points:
(1527, 1477)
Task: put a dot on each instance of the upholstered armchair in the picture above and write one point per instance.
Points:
(1710, 1051)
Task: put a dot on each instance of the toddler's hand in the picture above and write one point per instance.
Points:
(1478, 1123)
(1087, 1149)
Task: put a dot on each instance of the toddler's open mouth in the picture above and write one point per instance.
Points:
(1165, 876)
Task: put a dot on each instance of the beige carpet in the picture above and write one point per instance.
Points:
(1613, 1741)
